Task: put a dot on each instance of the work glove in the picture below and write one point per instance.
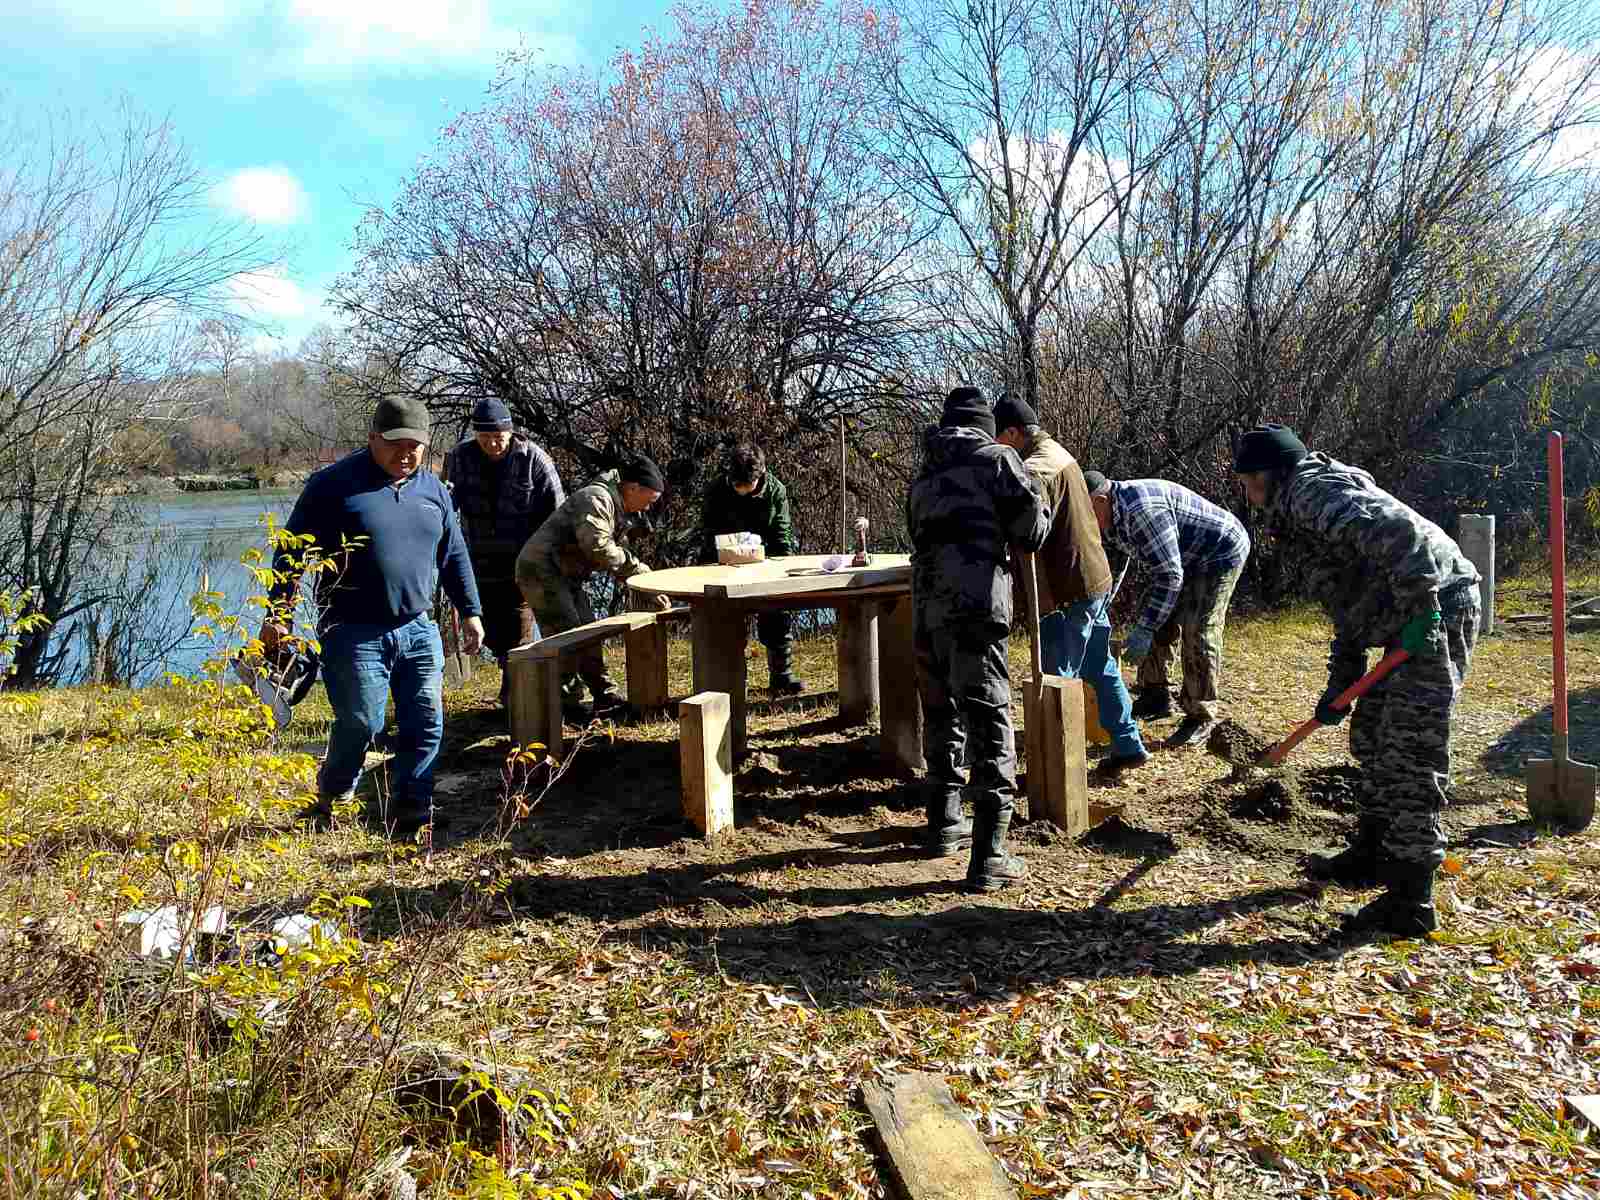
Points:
(1418, 632)
(1326, 712)
(1137, 645)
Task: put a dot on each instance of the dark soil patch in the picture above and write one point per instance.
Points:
(1233, 743)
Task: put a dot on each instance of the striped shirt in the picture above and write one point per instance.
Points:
(1171, 530)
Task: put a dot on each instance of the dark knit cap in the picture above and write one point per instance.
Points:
(1009, 411)
(490, 416)
(645, 473)
(1096, 482)
(1267, 448)
(966, 406)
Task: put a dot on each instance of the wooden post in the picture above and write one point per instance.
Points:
(705, 752)
(718, 630)
(900, 703)
(933, 1150)
(646, 651)
(858, 663)
(1477, 543)
(536, 703)
(1065, 792)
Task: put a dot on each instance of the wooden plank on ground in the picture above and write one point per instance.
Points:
(934, 1152)
(705, 753)
(1584, 1108)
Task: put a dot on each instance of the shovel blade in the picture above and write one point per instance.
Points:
(1561, 793)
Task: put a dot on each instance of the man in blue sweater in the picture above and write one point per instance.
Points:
(387, 535)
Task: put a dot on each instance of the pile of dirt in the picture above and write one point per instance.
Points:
(1233, 743)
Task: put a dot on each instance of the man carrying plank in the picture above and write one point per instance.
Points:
(970, 502)
(1388, 577)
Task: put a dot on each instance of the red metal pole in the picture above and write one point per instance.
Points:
(1558, 593)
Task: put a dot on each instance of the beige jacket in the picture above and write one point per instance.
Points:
(1072, 564)
(582, 536)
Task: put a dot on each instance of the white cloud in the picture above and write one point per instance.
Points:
(144, 17)
(270, 195)
(270, 295)
(336, 33)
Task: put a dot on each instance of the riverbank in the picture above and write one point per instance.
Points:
(166, 485)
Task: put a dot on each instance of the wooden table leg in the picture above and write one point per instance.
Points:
(858, 663)
(900, 731)
(717, 631)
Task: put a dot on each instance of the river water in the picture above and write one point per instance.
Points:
(197, 537)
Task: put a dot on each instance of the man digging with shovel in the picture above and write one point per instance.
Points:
(1388, 578)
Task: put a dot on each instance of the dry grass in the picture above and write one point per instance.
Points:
(1152, 1018)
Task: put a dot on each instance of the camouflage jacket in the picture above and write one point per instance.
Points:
(971, 500)
(1375, 563)
(584, 535)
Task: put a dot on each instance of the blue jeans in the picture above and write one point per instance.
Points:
(362, 665)
(1075, 641)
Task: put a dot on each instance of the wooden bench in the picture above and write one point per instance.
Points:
(536, 669)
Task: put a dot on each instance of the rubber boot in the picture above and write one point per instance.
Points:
(947, 831)
(1152, 704)
(780, 668)
(990, 867)
(1357, 865)
(1405, 909)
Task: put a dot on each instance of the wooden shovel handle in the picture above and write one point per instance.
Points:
(1344, 699)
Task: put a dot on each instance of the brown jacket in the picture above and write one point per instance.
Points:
(1072, 564)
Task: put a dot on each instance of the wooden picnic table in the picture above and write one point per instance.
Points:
(873, 604)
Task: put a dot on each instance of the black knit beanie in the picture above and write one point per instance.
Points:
(490, 416)
(645, 473)
(966, 406)
(1009, 411)
(1267, 448)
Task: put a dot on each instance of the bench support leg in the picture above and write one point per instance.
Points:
(646, 650)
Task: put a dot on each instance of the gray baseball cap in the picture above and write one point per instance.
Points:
(401, 419)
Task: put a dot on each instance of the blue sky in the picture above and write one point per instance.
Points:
(300, 110)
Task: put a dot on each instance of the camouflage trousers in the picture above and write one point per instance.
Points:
(560, 604)
(965, 683)
(1400, 734)
(1197, 622)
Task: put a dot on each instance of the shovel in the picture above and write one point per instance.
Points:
(1343, 700)
(1560, 791)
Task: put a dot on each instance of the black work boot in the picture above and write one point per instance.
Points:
(782, 681)
(1405, 908)
(1356, 866)
(947, 831)
(1152, 704)
(990, 867)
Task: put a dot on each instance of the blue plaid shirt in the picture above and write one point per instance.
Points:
(1170, 530)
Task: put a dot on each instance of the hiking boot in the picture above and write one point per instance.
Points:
(786, 685)
(949, 840)
(1191, 731)
(403, 825)
(947, 831)
(1405, 909)
(1116, 764)
(1152, 704)
(1357, 866)
(990, 867)
(611, 706)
